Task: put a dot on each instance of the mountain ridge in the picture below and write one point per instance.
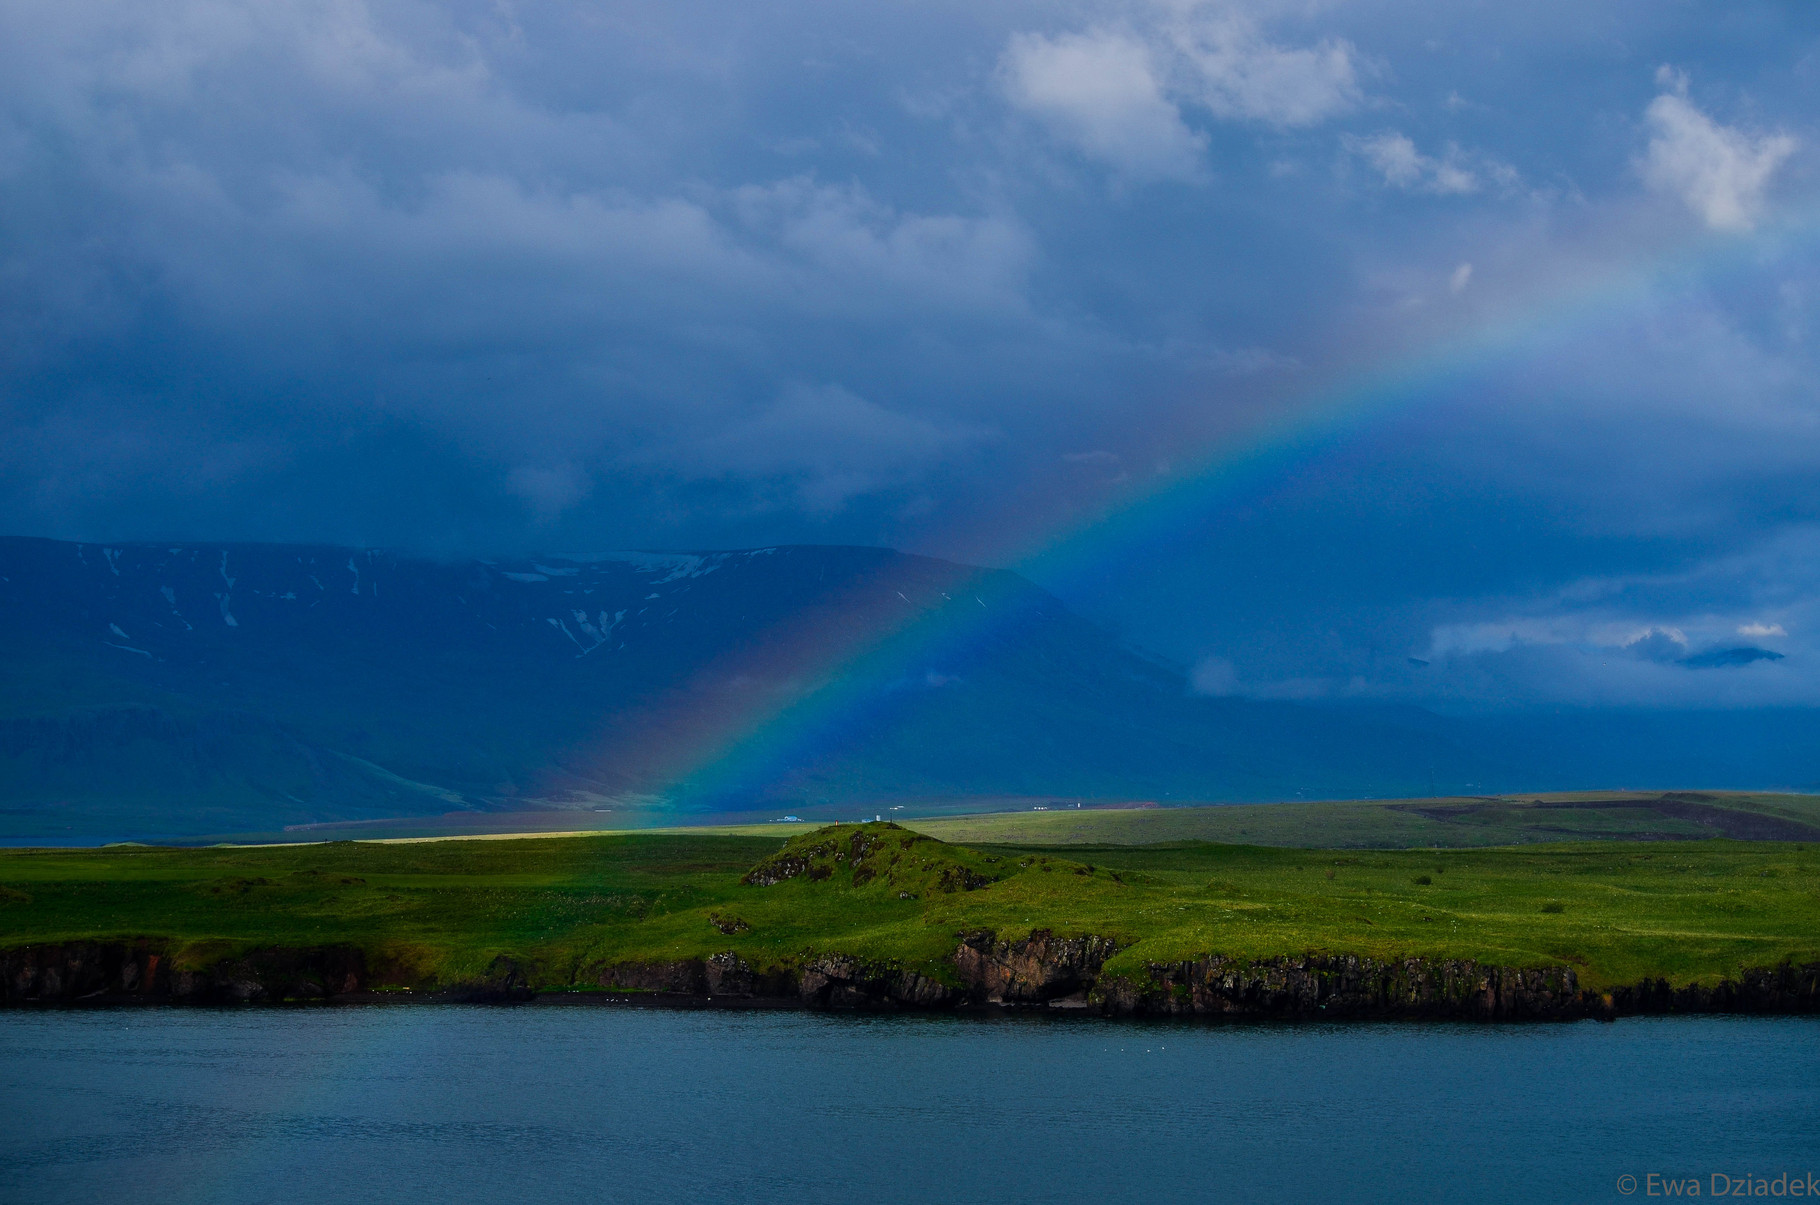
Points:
(171, 688)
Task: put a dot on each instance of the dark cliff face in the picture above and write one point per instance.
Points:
(1041, 969)
(117, 973)
(1042, 972)
(1348, 986)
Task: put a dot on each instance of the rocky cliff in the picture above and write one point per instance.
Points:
(145, 972)
(1042, 971)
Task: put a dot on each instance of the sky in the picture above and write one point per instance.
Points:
(1458, 355)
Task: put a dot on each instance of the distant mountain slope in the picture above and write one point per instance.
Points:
(170, 689)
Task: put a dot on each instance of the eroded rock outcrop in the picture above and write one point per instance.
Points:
(724, 976)
(831, 981)
(1338, 986)
(837, 981)
(1784, 989)
(108, 972)
(1039, 971)
(1035, 970)
(1345, 986)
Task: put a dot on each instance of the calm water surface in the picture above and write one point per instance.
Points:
(596, 1104)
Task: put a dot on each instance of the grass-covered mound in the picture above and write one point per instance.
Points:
(559, 909)
(884, 858)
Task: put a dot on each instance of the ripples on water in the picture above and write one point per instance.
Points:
(597, 1104)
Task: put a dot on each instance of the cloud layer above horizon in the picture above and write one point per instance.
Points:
(467, 277)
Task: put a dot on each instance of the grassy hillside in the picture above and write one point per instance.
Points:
(442, 912)
(1407, 823)
(1463, 821)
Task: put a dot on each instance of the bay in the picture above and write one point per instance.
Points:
(554, 1104)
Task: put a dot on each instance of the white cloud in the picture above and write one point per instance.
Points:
(1455, 173)
(1215, 676)
(1099, 91)
(842, 234)
(1462, 275)
(1658, 644)
(1652, 640)
(548, 491)
(1720, 172)
(1108, 468)
(832, 445)
(1237, 73)
(1118, 95)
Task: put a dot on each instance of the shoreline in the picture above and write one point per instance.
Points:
(1039, 975)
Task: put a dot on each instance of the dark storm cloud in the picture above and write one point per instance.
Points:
(477, 277)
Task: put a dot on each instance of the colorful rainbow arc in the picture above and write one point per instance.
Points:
(773, 737)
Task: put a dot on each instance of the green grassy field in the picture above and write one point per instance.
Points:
(1408, 823)
(1356, 824)
(441, 912)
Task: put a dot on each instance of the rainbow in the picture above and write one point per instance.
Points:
(839, 679)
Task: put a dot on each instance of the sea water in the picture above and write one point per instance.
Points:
(602, 1104)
